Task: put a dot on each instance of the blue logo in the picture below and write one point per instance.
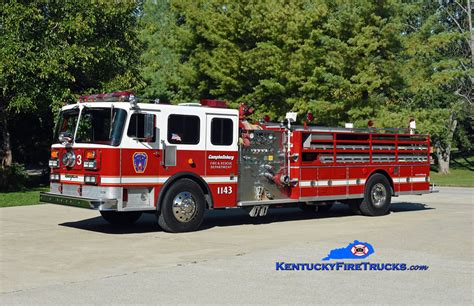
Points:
(140, 161)
(355, 250)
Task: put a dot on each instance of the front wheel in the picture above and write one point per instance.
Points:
(377, 196)
(183, 206)
(121, 218)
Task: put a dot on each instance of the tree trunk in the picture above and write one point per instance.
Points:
(443, 152)
(5, 149)
(469, 21)
(443, 155)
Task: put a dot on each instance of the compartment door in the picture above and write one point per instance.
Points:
(222, 158)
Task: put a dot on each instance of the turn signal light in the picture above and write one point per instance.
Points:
(90, 154)
(54, 154)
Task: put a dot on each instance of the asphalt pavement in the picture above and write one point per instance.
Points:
(62, 255)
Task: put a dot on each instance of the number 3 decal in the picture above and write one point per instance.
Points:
(79, 160)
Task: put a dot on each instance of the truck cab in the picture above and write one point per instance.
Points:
(120, 157)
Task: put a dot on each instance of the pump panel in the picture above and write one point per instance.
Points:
(262, 166)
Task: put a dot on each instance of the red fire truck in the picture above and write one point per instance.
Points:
(125, 158)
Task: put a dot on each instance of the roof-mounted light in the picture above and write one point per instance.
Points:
(214, 103)
(118, 96)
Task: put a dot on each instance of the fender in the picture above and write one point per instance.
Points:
(199, 180)
(387, 175)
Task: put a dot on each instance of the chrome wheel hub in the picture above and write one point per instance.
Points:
(184, 207)
(378, 194)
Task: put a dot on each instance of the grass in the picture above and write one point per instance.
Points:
(21, 198)
(461, 173)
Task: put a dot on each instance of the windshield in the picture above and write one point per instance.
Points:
(101, 126)
(67, 123)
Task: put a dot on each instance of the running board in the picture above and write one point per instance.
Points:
(303, 199)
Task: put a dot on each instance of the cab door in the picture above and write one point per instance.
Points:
(140, 160)
(222, 158)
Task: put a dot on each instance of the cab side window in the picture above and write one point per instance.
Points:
(221, 132)
(183, 129)
(142, 127)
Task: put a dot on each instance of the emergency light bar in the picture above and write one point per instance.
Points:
(118, 96)
(214, 103)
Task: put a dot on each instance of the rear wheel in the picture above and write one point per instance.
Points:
(121, 218)
(183, 206)
(377, 196)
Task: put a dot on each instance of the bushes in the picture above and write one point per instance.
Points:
(13, 178)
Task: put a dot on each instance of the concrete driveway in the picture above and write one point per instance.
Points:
(62, 255)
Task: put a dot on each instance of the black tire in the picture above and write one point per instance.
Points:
(325, 208)
(377, 196)
(121, 218)
(190, 215)
(309, 209)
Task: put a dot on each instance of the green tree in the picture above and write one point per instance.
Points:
(160, 56)
(342, 60)
(438, 70)
(52, 50)
(335, 58)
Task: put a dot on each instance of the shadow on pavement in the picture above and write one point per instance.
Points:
(408, 206)
(231, 217)
(146, 223)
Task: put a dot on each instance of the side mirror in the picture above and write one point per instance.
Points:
(65, 138)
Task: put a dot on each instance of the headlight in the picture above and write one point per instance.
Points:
(91, 179)
(54, 177)
(90, 164)
(53, 163)
(90, 160)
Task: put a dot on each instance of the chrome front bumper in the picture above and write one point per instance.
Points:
(100, 204)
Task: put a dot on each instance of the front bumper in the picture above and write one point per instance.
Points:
(100, 204)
